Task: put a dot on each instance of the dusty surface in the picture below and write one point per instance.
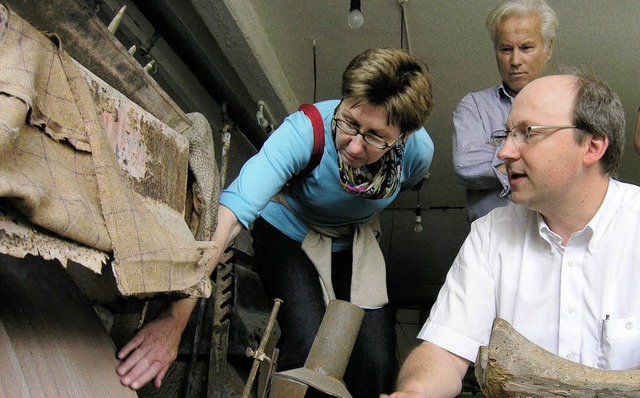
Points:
(52, 342)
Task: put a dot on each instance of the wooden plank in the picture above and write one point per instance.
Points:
(12, 382)
(89, 42)
(52, 343)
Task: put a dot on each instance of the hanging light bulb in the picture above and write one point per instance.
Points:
(417, 227)
(355, 19)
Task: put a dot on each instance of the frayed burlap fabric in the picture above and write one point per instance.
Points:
(59, 169)
(207, 180)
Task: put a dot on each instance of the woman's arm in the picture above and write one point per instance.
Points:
(227, 229)
(149, 353)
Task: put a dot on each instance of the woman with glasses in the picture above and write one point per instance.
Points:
(375, 146)
(315, 235)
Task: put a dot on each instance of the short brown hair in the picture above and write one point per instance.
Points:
(393, 79)
(599, 111)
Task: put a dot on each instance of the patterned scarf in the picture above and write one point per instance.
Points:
(374, 181)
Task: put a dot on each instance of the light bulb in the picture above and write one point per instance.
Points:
(355, 19)
(417, 227)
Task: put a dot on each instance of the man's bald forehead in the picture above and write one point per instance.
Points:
(546, 99)
(550, 84)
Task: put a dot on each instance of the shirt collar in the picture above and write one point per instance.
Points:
(603, 217)
(503, 93)
(548, 235)
(596, 227)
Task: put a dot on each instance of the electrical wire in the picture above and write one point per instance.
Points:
(404, 26)
(401, 27)
(315, 72)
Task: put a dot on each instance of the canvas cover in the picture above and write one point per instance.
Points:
(60, 171)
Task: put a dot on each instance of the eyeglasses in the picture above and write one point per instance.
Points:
(370, 139)
(520, 134)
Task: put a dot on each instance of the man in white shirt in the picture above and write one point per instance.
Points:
(561, 262)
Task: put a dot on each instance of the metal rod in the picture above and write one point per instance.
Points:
(115, 22)
(259, 355)
(149, 67)
(226, 143)
(201, 305)
(195, 348)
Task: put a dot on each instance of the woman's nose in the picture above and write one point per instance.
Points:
(357, 143)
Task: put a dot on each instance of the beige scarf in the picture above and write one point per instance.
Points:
(368, 279)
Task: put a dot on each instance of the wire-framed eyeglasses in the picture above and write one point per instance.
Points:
(521, 134)
(370, 139)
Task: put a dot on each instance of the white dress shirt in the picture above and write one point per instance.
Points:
(581, 302)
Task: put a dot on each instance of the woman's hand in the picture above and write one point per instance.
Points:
(152, 350)
(401, 394)
(149, 354)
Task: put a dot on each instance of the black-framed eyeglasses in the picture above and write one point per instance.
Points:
(521, 134)
(370, 139)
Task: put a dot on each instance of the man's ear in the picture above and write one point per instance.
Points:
(595, 149)
(550, 49)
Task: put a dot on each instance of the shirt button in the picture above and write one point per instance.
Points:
(570, 309)
(569, 356)
(629, 325)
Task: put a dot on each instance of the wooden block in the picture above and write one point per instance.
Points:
(513, 366)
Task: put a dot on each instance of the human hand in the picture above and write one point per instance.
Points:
(150, 352)
(402, 394)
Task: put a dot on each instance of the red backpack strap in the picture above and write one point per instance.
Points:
(318, 137)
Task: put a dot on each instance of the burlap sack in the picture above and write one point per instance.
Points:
(58, 168)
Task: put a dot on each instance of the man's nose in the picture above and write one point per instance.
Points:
(516, 58)
(509, 150)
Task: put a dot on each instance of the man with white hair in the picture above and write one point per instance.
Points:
(523, 34)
